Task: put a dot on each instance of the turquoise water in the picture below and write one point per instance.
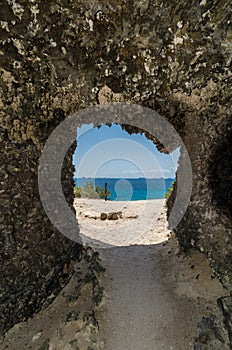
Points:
(131, 189)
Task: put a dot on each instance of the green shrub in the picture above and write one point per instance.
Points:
(89, 191)
(169, 191)
(101, 191)
(77, 192)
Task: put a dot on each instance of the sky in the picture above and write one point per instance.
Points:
(112, 153)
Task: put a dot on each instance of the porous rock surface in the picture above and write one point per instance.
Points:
(215, 331)
(63, 55)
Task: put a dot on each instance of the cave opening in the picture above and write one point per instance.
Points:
(123, 177)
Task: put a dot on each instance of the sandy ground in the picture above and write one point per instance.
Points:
(154, 295)
(140, 222)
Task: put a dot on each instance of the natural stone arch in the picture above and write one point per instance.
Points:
(61, 139)
(56, 57)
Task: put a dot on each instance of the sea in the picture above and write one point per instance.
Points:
(130, 189)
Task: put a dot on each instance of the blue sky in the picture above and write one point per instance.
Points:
(111, 152)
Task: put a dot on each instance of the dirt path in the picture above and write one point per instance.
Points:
(154, 296)
(149, 303)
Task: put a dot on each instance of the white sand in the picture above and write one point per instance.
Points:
(138, 224)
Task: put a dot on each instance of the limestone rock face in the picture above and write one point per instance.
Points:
(215, 332)
(56, 57)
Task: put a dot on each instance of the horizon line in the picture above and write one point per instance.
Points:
(87, 177)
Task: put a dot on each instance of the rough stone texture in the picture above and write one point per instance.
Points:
(215, 332)
(56, 57)
(75, 326)
(33, 254)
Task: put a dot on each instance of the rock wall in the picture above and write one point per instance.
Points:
(215, 332)
(56, 57)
